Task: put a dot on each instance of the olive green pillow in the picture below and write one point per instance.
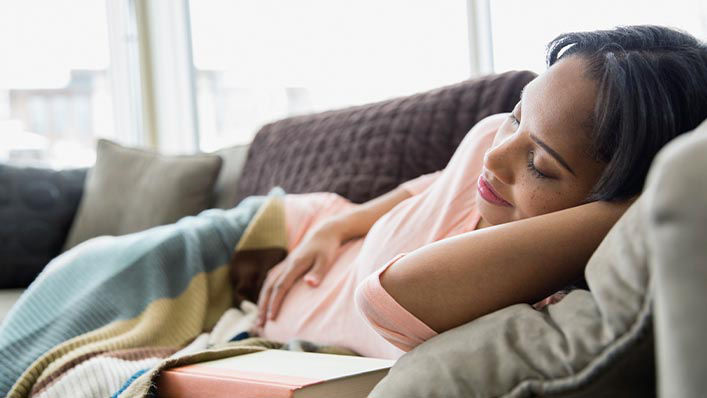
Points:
(130, 190)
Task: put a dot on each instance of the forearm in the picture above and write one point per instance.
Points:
(358, 220)
(455, 280)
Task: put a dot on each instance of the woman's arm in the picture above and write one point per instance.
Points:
(455, 280)
(358, 221)
(317, 249)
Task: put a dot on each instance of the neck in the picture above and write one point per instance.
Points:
(482, 224)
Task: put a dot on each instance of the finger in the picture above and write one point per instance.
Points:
(264, 296)
(316, 274)
(263, 305)
(280, 290)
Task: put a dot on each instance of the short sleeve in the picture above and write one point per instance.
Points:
(419, 184)
(386, 316)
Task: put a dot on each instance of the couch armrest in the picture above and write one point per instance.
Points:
(678, 226)
(225, 188)
(8, 298)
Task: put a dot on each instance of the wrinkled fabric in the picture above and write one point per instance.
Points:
(442, 204)
(386, 316)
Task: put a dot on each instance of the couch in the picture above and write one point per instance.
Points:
(363, 151)
(359, 152)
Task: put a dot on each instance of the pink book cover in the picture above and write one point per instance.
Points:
(264, 374)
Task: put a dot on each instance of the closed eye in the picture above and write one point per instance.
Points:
(531, 166)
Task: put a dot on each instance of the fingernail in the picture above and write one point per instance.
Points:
(269, 315)
(311, 280)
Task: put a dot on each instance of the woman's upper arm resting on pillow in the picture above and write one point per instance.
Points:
(475, 273)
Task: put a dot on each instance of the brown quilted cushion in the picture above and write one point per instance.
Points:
(365, 151)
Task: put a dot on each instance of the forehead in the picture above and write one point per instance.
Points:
(558, 105)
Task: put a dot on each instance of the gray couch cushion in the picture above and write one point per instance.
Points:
(225, 194)
(130, 190)
(37, 207)
(568, 349)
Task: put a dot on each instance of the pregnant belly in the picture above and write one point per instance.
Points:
(311, 312)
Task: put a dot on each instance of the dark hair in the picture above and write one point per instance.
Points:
(652, 86)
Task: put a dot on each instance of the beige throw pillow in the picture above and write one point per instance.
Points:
(130, 190)
(590, 344)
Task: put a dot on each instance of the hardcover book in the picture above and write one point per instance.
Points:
(274, 374)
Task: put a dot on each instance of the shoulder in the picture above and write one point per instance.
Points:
(488, 125)
(481, 136)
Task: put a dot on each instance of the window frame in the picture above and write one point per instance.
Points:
(171, 124)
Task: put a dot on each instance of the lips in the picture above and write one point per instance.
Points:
(489, 194)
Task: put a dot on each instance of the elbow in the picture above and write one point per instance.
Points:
(371, 298)
(379, 318)
(386, 316)
(366, 304)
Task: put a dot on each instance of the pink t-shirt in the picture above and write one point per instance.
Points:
(443, 205)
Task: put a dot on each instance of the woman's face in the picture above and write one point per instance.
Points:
(539, 161)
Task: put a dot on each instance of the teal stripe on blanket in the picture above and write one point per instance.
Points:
(129, 382)
(116, 278)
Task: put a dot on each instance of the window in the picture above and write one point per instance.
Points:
(56, 82)
(217, 70)
(522, 29)
(257, 61)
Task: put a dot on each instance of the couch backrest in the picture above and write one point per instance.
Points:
(231, 170)
(364, 151)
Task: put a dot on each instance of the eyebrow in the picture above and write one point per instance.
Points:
(552, 152)
(545, 146)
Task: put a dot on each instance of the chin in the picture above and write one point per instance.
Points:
(493, 217)
(492, 220)
(493, 214)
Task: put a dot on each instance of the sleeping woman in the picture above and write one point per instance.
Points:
(513, 217)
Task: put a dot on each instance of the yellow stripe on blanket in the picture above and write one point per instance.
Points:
(268, 229)
(166, 322)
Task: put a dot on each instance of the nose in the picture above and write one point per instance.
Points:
(498, 162)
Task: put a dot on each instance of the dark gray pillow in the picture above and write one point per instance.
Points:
(130, 190)
(36, 209)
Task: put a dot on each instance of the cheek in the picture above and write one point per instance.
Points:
(537, 197)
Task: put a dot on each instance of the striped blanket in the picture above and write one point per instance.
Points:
(104, 317)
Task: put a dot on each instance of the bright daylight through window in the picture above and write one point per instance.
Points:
(521, 29)
(71, 68)
(257, 61)
(55, 93)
